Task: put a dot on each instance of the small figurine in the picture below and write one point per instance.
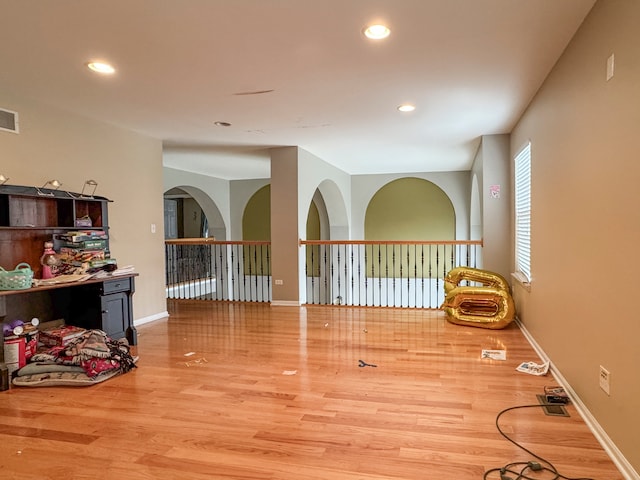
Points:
(49, 259)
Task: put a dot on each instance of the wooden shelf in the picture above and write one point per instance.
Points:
(64, 229)
(30, 216)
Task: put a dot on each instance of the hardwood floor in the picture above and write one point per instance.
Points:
(250, 391)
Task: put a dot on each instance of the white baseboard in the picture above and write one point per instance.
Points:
(150, 318)
(285, 303)
(628, 472)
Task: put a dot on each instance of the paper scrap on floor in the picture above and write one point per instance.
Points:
(495, 354)
(199, 362)
(533, 368)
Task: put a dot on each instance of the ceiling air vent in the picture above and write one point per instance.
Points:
(8, 121)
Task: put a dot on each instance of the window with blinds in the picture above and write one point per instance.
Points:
(523, 211)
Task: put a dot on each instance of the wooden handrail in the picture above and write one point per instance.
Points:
(391, 242)
(213, 241)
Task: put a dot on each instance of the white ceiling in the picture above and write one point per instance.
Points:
(470, 66)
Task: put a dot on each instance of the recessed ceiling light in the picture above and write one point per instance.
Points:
(101, 67)
(406, 107)
(377, 32)
(222, 124)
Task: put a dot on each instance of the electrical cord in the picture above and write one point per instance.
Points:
(551, 467)
(526, 466)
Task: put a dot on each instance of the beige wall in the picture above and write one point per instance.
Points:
(127, 167)
(495, 209)
(585, 224)
(284, 226)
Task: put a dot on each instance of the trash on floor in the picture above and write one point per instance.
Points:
(495, 354)
(198, 362)
(362, 363)
(533, 368)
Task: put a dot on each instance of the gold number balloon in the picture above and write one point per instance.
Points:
(485, 277)
(487, 306)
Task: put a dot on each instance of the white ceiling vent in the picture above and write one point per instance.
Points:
(9, 121)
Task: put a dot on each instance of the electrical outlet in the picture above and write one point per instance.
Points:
(279, 282)
(605, 380)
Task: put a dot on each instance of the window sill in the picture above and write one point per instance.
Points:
(522, 280)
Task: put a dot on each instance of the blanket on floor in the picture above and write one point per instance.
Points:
(62, 378)
(94, 351)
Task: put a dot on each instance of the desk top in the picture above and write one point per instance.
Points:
(66, 284)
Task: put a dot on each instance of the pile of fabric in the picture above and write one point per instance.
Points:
(88, 359)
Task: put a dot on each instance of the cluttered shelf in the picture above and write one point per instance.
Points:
(103, 303)
(30, 217)
(53, 234)
(40, 227)
(100, 305)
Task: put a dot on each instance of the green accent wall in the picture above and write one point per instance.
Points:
(313, 222)
(256, 219)
(256, 225)
(313, 233)
(409, 209)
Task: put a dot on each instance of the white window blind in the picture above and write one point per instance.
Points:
(523, 211)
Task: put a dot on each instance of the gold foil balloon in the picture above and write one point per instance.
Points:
(488, 306)
(485, 277)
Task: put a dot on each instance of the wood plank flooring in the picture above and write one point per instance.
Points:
(250, 391)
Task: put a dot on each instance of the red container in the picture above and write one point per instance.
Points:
(14, 353)
(30, 345)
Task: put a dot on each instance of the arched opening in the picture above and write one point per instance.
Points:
(410, 209)
(183, 216)
(326, 220)
(254, 258)
(407, 209)
(190, 270)
(421, 213)
(191, 213)
(316, 229)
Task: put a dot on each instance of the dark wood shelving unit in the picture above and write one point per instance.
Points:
(30, 216)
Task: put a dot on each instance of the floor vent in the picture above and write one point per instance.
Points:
(8, 121)
(553, 410)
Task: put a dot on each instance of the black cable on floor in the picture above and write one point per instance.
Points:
(507, 470)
